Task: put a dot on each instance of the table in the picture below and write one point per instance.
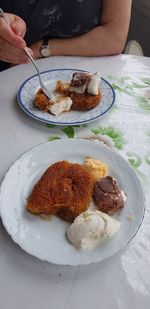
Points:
(122, 281)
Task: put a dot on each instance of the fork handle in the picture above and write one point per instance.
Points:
(34, 63)
(4, 16)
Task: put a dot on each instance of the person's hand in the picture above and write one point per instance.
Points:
(11, 40)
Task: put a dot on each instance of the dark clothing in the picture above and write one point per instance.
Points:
(55, 18)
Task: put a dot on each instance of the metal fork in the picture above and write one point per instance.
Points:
(45, 90)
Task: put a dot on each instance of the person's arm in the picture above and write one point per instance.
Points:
(106, 39)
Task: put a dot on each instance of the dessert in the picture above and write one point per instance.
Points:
(41, 101)
(96, 167)
(90, 228)
(64, 189)
(82, 93)
(107, 195)
(84, 82)
(57, 104)
(60, 104)
(84, 90)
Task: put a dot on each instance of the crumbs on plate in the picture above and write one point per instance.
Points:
(130, 217)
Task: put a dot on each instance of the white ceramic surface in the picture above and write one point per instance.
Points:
(29, 88)
(45, 239)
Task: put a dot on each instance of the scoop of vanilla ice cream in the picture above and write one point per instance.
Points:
(112, 225)
(93, 86)
(90, 228)
(60, 105)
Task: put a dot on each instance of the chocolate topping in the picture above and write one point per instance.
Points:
(80, 79)
(107, 195)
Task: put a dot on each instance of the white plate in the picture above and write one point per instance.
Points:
(47, 239)
(29, 88)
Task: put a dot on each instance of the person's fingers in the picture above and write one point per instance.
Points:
(8, 34)
(9, 53)
(13, 58)
(14, 61)
(19, 26)
(7, 47)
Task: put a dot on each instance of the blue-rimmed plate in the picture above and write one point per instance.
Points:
(29, 88)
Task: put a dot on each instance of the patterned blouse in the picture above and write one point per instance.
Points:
(54, 18)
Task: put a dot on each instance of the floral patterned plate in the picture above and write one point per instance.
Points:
(28, 89)
(46, 239)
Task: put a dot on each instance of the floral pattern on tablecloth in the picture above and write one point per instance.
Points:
(117, 130)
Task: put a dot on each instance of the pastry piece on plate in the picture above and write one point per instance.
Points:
(41, 101)
(83, 90)
(80, 185)
(58, 104)
(64, 187)
(81, 93)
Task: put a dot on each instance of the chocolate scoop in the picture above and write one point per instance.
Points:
(107, 195)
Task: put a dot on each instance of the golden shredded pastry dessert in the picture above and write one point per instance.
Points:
(41, 101)
(64, 189)
(84, 102)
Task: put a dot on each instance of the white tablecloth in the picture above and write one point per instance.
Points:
(122, 281)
